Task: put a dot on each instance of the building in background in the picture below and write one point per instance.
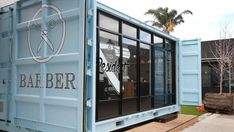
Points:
(210, 74)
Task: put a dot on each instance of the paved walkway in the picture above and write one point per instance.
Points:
(213, 123)
(173, 125)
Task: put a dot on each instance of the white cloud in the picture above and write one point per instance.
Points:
(204, 23)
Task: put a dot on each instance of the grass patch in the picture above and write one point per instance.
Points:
(190, 110)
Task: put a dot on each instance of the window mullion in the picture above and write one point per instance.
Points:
(97, 70)
(138, 70)
(121, 68)
(165, 72)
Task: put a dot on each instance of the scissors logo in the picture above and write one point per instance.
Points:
(44, 34)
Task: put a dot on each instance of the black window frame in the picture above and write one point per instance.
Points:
(138, 42)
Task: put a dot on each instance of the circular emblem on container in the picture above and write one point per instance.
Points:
(50, 23)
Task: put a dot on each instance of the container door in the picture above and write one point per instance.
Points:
(48, 65)
(5, 61)
(190, 72)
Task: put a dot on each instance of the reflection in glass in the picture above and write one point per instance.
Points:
(108, 23)
(170, 89)
(168, 45)
(129, 31)
(169, 77)
(129, 67)
(145, 72)
(129, 75)
(109, 84)
(159, 78)
(148, 72)
(164, 66)
(158, 41)
(109, 65)
(144, 36)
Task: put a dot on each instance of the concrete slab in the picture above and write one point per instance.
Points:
(175, 125)
(213, 123)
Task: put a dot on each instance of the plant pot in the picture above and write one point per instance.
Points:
(219, 102)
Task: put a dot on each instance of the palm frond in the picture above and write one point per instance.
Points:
(151, 12)
(163, 18)
(180, 21)
(157, 24)
(187, 12)
(172, 14)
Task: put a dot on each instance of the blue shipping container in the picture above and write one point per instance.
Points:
(78, 65)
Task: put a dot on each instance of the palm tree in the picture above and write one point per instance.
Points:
(165, 19)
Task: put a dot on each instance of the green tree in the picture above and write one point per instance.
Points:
(165, 19)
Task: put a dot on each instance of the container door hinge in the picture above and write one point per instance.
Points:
(89, 103)
(89, 72)
(90, 14)
(90, 42)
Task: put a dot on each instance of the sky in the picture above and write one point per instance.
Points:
(209, 16)
(206, 22)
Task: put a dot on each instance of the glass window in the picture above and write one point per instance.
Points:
(129, 67)
(107, 109)
(170, 65)
(145, 74)
(164, 65)
(109, 84)
(134, 75)
(206, 75)
(129, 75)
(144, 36)
(159, 76)
(129, 31)
(158, 41)
(214, 75)
(129, 105)
(108, 23)
(168, 45)
(169, 79)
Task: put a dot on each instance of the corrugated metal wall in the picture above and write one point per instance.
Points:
(6, 41)
(48, 65)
